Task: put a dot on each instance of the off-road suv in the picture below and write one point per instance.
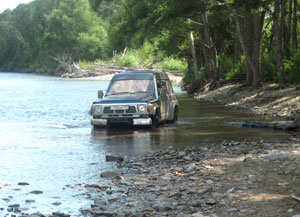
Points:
(136, 98)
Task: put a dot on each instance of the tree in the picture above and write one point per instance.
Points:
(250, 37)
(278, 38)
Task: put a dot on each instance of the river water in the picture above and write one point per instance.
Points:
(46, 139)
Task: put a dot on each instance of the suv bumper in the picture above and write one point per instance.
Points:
(135, 121)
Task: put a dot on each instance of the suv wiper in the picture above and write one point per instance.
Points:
(110, 94)
(141, 92)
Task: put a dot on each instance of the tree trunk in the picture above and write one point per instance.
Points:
(205, 55)
(244, 47)
(248, 24)
(193, 49)
(285, 29)
(295, 20)
(289, 28)
(278, 42)
(210, 49)
(257, 23)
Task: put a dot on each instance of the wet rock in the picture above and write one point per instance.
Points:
(36, 192)
(104, 214)
(101, 187)
(197, 215)
(195, 203)
(56, 203)
(37, 214)
(110, 158)
(232, 210)
(23, 183)
(111, 175)
(211, 202)
(60, 214)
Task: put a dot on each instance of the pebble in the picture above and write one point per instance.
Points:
(36, 192)
(60, 214)
(211, 202)
(23, 183)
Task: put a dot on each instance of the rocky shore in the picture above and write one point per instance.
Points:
(228, 179)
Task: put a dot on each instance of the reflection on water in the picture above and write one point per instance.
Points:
(131, 142)
(47, 141)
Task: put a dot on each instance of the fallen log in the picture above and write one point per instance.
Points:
(276, 125)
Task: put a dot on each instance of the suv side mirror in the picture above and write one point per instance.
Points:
(100, 94)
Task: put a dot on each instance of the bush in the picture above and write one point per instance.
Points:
(172, 64)
(268, 68)
(237, 68)
(131, 59)
(226, 65)
(292, 68)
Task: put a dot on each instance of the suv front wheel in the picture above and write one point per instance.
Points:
(155, 120)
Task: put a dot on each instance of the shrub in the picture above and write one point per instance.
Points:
(268, 68)
(292, 68)
(172, 64)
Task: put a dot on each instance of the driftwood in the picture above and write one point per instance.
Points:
(295, 197)
(276, 125)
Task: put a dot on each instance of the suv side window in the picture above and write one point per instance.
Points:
(169, 88)
(162, 87)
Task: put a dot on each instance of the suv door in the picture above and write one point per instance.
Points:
(163, 99)
(171, 99)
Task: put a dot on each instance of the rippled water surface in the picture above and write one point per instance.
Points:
(46, 139)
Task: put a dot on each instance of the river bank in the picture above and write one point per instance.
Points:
(268, 100)
(229, 179)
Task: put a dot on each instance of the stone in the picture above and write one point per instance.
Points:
(56, 203)
(195, 203)
(210, 182)
(23, 183)
(232, 210)
(36, 192)
(111, 175)
(198, 214)
(110, 158)
(60, 214)
(103, 214)
(211, 202)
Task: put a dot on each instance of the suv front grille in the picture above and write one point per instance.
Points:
(131, 109)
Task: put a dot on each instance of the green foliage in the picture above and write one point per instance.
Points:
(238, 68)
(84, 64)
(34, 33)
(268, 68)
(226, 65)
(155, 32)
(131, 59)
(292, 67)
(172, 64)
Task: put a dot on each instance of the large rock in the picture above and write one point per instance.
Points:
(111, 175)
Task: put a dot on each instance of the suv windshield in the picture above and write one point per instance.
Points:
(130, 86)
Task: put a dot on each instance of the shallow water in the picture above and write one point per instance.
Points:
(46, 139)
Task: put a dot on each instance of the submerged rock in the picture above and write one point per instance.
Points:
(111, 175)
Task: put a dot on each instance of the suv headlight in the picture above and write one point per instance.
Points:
(142, 108)
(97, 109)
